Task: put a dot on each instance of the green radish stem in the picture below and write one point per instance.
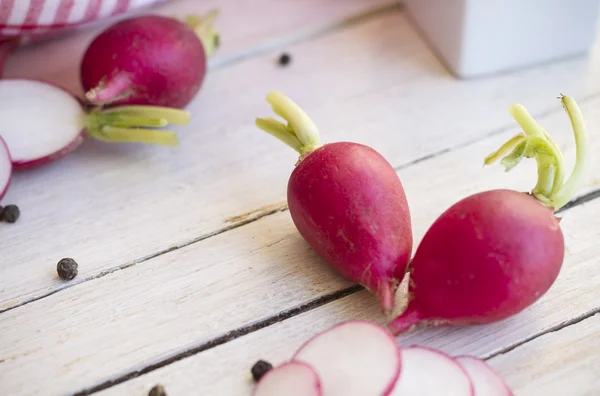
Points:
(535, 142)
(300, 133)
(133, 123)
(203, 26)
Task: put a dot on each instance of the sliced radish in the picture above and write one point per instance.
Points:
(5, 168)
(485, 380)
(6, 47)
(353, 358)
(42, 122)
(427, 372)
(290, 379)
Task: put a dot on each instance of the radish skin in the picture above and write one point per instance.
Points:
(347, 202)
(148, 60)
(428, 372)
(485, 381)
(353, 358)
(290, 379)
(495, 253)
(61, 122)
(5, 168)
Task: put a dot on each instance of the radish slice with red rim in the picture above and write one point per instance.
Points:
(290, 379)
(485, 380)
(354, 358)
(427, 372)
(5, 168)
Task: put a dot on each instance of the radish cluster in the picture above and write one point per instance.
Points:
(488, 257)
(359, 358)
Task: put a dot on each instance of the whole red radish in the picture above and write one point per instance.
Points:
(347, 202)
(493, 254)
(148, 60)
(42, 122)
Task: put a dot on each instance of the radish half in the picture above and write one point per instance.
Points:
(353, 358)
(5, 167)
(290, 379)
(485, 381)
(428, 372)
(42, 122)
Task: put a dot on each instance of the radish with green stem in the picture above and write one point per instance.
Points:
(353, 358)
(42, 122)
(346, 201)
(149, 60)
(5, 168)
(290, 379)
(493, 254)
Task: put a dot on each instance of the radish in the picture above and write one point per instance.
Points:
(427, 372)
(346, 201)
(41, 122)
(5, 168)
(495, 253)
(485, 381)
(149, 60)
(353, 358)
(290, 379)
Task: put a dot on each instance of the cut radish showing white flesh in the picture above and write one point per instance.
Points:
(5, 168)
(485, 380)
(353, 358)
(427, 372)
(289, 379)
(40, 122)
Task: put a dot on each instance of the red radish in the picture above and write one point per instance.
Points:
(347, 202)
(495, 253)
(148, 60)
(42, 122)
(427, 372)
(5, 168)
(6, 47)
(290, 379)
(353, 358)
(485, 381)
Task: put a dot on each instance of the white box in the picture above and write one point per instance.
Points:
(483, 37)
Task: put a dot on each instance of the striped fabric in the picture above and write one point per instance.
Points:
(30, 18)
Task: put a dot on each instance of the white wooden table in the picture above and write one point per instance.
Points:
(190, 268)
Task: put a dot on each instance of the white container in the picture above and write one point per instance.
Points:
(483, 37)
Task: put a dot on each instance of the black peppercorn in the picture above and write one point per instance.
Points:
(157, 390)
(10, 213)
(285, 59)
(67, 269)
(260, 368)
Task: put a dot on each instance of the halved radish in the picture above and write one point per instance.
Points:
(290, 379)
(5, 168)
(353, 358)
(485, 380)
(428, 372)
(42, 122)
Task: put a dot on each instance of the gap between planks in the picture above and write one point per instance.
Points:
(309, 306)
(268, 210)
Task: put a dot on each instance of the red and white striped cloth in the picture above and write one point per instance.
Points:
(30, 18)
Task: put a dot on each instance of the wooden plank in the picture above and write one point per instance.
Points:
(563, 362)
(224, 370)
(133, 318)
(128, 202)
(246, 27)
